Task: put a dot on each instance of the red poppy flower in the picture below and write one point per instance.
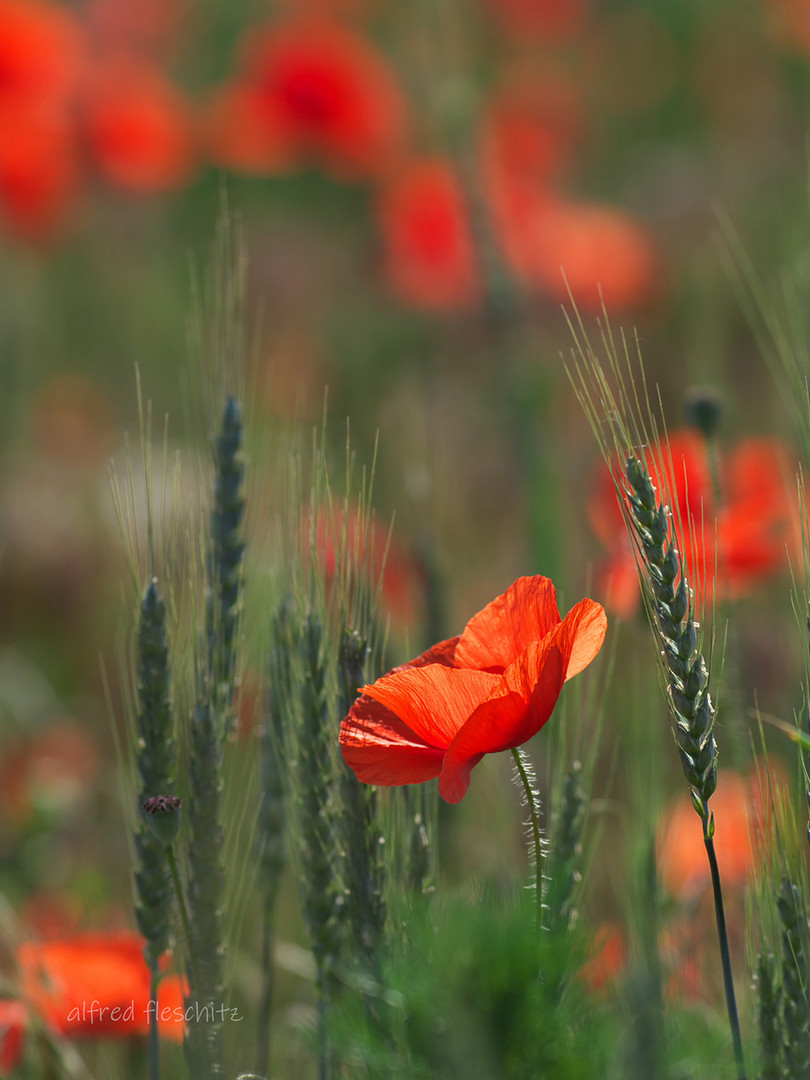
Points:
(237, 132)
(146, 25)
(541, 20)
(329, 94)
(490, 689)
(139, 127)
(39, 167)
(355, 545)
(745, 535)
(607, 959)
(742, 807)
(13, 1022)
(97, 985)
(41, 51)
(682, 861)
(597, 251)
(528, 130)
(428, 247)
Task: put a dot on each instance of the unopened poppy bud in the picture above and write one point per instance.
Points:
(162, 814)
(703, 407)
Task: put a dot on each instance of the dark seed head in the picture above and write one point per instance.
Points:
(162, 815)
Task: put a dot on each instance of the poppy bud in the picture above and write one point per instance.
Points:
(162, 814)
(703, 408)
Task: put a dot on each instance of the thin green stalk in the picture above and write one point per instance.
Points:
(154, 1042)
(181, 903)
(725, 952)
(522, 765)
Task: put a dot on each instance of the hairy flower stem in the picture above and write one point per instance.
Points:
(725, 952)
(523, 768)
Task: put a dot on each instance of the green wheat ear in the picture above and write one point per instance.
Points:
(769, 1009)
(271, 825)
(206, 884)
(207, 728)
(565, 855)
(687, 686)
(156, 762)
(321, 891)
(795, 1020)
(362, 837)
(223, 602)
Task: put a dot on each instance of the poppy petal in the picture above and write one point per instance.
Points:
(498, 634)
(528, 693)
(581, 635)
(434, 701)
(380, 749)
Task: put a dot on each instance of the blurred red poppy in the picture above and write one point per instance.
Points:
(138, 126)
(13, 1024)
(237, 132)
(490, 689)
(42, 51)
(528, 129)
(39, 167)
(682, 862)
(146, 25)
(789, 24)
(608, 956)
(541, 20)
(97, 985)
(745, 533)
(428, 248)
(55, 766)
(328, 94)
(597, 251)
(352, 545)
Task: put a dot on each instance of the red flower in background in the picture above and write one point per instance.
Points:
(327, 94)
(528, 130)
(746, 533)
(42, 58)
(13, 1024)
(236, 132)
(62, 980)
(138, 126)
(490, 689)
(42, 51)
(540, 20)
(607, 959)
(146, 26)
(40, 173)
(683, 866)
(428, 249)
(355, 545)
(597, 251)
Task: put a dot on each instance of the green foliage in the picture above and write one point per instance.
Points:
(471, 991)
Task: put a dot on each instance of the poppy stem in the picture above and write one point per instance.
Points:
(181, 903)
(524, 770)
(725, 952)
